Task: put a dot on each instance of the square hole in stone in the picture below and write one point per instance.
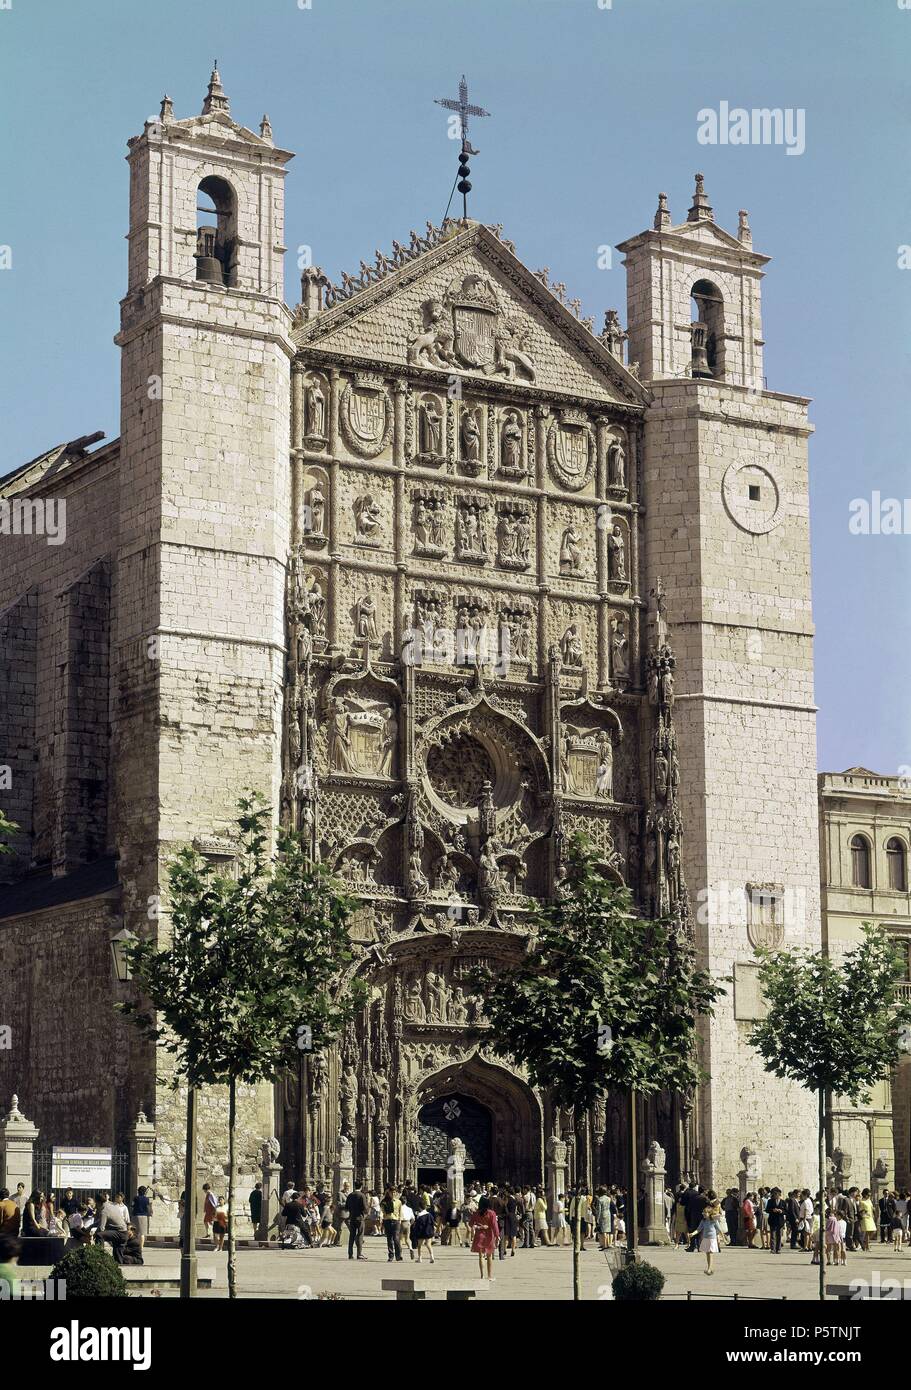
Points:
(754, 492)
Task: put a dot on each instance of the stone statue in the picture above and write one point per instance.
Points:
(270, 1152)
(604, 783)
(616, 554)
(340, 751)
(570, 554)
(511, 445)
(316, 509)
(571, 648)
(619, 649)
(489, 877)
(315, 410)
(430, 426)
(366, 519)
(470, 432)
(616, 465)
(414, 1009)
(365, 618)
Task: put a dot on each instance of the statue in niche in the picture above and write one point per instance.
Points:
(523, 536)
(567, 778)
(511, 445)
(662, 768)
(418, 886)
(616, 465)
(365, 619)
(430, 429)
(616, 554)
(380, 1098)
(366, 519)
(310, 604)
(489, 877)
(470, 432)
(619, 649)
(571, 648)
(570, 554)
(314, 410)
(604, 782)
(447, 874)
(470, 540)
(458, 1009)
(634, 860)
(413, 1008)
(388, 741)
(340, 755)
(349, 1090)
(507, 539)
(315, 512)
(673, 867)
(437, 997)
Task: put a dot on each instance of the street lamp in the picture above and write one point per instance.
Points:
(119, 943)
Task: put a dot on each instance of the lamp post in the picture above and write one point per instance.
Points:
(188, 1230)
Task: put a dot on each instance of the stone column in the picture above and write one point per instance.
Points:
(344, 1166)
(750, 1175)
(271, 1180)
(17, 1144)
(142, 1154)
(455, 1172)
(555, 1166)
(653, 1231)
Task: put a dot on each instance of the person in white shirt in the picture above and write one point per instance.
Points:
(406, 1216)
(806, 1216)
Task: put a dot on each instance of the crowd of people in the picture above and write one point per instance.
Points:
(411, 1218)
(847, 1220)
(79, 1220)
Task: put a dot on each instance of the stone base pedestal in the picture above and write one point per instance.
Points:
(653, 1230)
(271, 1180)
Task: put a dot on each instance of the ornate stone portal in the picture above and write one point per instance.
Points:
(467, 686)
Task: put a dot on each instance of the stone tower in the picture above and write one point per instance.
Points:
(204, 503)
(727, 533)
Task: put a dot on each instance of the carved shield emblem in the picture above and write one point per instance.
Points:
(367, 415)
(474, 334)
(572, 452)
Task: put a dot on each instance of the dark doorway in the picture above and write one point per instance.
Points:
(445, 1118)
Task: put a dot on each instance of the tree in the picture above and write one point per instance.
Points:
(8, 829)
(603, 999)
(253, 972)
(832, 1026)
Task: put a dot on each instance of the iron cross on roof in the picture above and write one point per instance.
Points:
(464, 108)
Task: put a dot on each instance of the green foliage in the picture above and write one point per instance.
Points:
(593, 962)
(833, 1025)
(90, 1272)
(637, 1282)
(8, 828)
(250, 961)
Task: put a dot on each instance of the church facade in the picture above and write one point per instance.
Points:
(427, 563)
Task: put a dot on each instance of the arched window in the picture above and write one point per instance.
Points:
(707, 329)
(860, 862)
(216, 232)
(896, 857)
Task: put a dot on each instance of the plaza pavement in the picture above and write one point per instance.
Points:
(540, 1274)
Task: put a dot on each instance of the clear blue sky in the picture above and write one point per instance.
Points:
(594, 110)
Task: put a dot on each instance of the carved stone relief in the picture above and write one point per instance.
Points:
(365, 415)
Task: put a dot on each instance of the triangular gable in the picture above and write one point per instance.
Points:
(469, 305)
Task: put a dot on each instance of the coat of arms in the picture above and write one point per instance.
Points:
(366, 417)
(474, 319)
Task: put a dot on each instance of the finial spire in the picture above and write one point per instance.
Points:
(744, 235)
(265, 129)
(700, 211)
(167, 109)
(662, 216)
(215, 96)
(465, 109)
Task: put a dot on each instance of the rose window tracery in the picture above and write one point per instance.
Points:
(458, 771)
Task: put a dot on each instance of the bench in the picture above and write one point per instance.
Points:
(404, 1290)
(137, 1276)
(887, 1290)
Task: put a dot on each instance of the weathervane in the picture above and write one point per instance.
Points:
(465, 109)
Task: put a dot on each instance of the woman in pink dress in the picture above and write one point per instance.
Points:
(485, 1235)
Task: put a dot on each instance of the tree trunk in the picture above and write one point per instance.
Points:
(577, 1243)
(632, 1200)
(822, 1195)
(188, 1234)
(232, 1182)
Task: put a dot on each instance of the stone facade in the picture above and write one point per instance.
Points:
(864, 834)
(426, 563)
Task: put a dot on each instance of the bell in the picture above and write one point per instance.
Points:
(700, 363)
(208, 266)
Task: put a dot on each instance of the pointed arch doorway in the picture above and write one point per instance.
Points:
(495, 1114)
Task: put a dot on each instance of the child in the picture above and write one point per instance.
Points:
(708, 1231)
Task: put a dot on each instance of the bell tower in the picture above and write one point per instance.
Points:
(204, 498)
(726, 528)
